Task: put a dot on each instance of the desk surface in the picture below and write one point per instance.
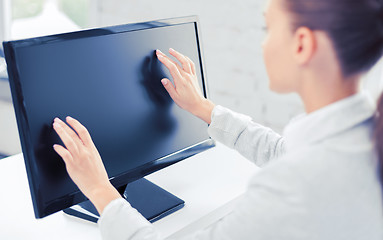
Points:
(219, 174)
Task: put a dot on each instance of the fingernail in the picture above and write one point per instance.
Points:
(158, 51)
(164, 82)
(69, 118)
(160, 56)
(56, 124)
(54, 146)
(171, 50)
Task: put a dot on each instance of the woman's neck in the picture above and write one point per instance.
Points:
(318, 93)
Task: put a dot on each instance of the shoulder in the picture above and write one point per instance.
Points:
(326, 173)
(328, 165)
(322, 192)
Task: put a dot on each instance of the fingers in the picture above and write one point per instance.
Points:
(68, 130)
(66, 138)
(182, 59)
(64, 153)
(81, 131)
(174, 71)
(169, 87)
(192, 66)
(158, 52)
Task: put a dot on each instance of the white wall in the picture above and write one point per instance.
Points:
(5, 18)
(232, 36)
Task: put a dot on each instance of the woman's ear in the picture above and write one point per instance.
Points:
(304, 45)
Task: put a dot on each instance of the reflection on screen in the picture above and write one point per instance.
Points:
(111, 84)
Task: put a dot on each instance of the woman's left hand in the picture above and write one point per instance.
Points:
(83, 162)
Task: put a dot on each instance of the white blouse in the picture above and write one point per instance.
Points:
(319, 181)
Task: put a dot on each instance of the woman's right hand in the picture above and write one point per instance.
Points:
(185, 92)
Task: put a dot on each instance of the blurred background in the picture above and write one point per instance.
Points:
(231, 34)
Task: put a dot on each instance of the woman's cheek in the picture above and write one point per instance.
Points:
(278, 64)
(268, 56)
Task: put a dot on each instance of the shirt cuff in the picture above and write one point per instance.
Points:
(226, 125)
(119, 218)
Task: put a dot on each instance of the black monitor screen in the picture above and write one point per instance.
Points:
(110, 80)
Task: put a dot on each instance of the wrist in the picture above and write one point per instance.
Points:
(204, 110)
(102, 196)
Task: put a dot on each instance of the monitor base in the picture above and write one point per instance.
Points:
(150, 200)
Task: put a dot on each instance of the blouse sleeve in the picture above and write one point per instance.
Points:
(257, 143)
(271, 208)
(120, 220)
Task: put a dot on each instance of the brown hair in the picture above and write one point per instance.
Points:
(356, 30)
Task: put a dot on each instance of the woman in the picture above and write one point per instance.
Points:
(321, 180)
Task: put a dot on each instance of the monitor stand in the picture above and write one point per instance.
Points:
(150, 200)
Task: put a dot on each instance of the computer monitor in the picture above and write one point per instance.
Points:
(110, 80)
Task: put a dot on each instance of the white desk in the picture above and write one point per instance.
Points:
(210, 183)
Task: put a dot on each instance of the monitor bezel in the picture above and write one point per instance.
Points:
(43, 209)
